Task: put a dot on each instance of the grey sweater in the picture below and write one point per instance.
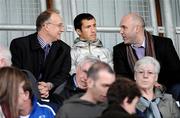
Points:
(77, 108)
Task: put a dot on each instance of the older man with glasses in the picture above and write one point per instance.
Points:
(43, 53)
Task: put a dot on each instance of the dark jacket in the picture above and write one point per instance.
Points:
(116, 111)
(69, 90)
(165, 54)
(28, 54)
(77, 108)
(41, 110)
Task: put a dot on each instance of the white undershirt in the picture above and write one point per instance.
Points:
(27, 116)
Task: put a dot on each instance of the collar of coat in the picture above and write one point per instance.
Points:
(84, 43)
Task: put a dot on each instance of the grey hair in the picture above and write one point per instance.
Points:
(87, 59)
(6, 55)
(148, 60)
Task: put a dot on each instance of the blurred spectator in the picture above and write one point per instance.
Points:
(17, 98)
(10, 81)
(123, 96)
(28, 105)
(92, 103)
(77, 83)
(5, 57)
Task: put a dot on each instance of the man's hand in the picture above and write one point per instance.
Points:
(44, 88)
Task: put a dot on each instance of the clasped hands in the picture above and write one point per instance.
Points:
(44, 88)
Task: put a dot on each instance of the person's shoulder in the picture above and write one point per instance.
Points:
(161, 39)
(24, 39)
(62, 44)
(117, 114)
(119, 45)
(70, 103)
(42, 108)
(167, 96)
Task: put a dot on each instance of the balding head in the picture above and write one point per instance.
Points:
(136, 18)
(132, 29)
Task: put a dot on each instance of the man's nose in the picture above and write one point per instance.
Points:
(93, 29)
(121, 31)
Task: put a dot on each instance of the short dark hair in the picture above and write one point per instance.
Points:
(121, 89)
(96, 67)
(44, 16)
(78, 19)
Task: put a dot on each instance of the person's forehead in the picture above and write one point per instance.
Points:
(104, 75)
(86, 65)
(125, 20)
(86, 21)
(56, 18)
(146, 67)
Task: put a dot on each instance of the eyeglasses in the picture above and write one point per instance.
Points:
(150, 73)
(60, 25)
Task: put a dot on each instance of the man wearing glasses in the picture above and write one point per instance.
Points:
(43, 53)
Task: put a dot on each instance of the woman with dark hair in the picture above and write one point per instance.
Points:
(123, 96)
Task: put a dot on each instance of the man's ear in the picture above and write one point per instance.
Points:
(138, 28)
(78, 31)
(46, 26)
(90, 83)
(125, 101)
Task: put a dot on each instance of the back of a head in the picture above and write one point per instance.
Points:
(78, 19)
(30, 85)
(10, 80)
(43, 17)
(121, 89)
(5, 57)
(99, 66)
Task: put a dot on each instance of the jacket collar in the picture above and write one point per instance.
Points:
(81, 43)
(34, 41)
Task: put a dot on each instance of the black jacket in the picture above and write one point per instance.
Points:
(28, 54)
(69, 90)
(116, 111)
(165, 54)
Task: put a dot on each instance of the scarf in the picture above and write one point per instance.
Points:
(149, 50)
(152, 110)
